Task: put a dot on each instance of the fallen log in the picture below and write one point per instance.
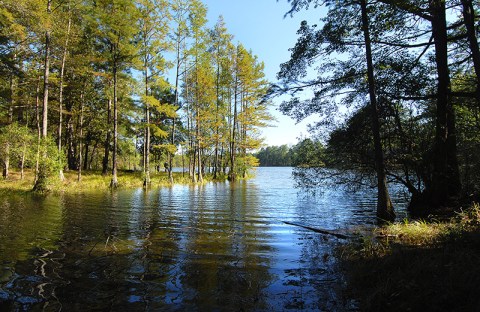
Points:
(322, 231)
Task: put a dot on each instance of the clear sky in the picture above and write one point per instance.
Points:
(260, 25)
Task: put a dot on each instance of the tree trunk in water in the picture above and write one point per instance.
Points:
(200, 175)
(244, 135)
(199, 146)
(231, 174)
(223, 161)
(177, 77)
(384, 204)
(217, 127)
(194, 159)
(171, 155)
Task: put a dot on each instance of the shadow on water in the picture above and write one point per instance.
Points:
(218, 246)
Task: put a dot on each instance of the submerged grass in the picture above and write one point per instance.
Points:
(93, 181)
(417, 266)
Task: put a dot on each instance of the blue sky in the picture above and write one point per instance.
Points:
(260, 26)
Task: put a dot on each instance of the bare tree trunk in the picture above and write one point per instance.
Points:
(80, 154)
(92, 157)
(217, 127)
(22, 164)
(46, 75)
(194, 159)
(146, 181)
(222, 160)
(70, 142)
(469, 21)
(384, 204)
(114, 182)
(6, 160)
(200, 175)
(446, 177)
(39, 131)
(244, 134)
(232, 174)
(171, 155)
(177, 78)
(107, 139)
(183, 163)
(41, 183)
(86, 148)
(60, 96)
(191, 146)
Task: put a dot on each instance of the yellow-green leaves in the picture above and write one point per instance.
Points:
(157, 131)
(169, 148)
(168, 110)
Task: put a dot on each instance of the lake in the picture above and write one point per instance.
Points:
(214, 247)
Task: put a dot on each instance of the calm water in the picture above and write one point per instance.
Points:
(197, 248)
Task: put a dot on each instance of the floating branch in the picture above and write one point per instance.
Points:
(322, 231)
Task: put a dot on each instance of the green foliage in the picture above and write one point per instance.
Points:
(96, 49)
(51, 161)
(275, 156)
(55, 160)
(418, 129)
(168, 148)
(308, 153)
(16, 142)
(470, 217)
(245, 163)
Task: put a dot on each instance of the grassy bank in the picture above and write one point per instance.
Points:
(92, 181)
(417, 266)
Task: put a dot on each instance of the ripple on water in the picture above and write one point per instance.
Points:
(212, 247)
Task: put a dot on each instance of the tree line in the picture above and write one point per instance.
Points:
(111, 84)
(407, 76)
(308, 153)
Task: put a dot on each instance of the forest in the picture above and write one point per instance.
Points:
(307, 153)
(118, 84)
(113, 84)
(396, 89)
(111, 87)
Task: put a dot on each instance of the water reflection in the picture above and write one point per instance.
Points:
(223, 268)
(28, 256)
(212, 247)
(353, 196)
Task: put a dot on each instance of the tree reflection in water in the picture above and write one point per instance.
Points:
(213, 247)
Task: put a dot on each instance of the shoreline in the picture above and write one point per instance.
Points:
(416, 265)
(95, 181)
